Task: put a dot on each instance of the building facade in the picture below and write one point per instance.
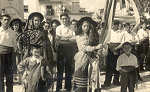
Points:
(53, 8)
(13, 7)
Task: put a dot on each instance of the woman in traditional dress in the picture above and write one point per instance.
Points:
(37, 35)
(87, 43)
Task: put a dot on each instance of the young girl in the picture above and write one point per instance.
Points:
(85, 41)
(33, 70)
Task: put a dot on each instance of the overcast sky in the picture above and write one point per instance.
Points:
(92, 5)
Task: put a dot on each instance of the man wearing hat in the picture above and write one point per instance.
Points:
(7, 46)
(66, 52)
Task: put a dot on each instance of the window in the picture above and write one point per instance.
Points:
(49, 10)
(26, 8)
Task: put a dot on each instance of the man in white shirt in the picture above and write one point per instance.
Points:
(66, 51)
(143, 44)
(112, 56)
(7, 45)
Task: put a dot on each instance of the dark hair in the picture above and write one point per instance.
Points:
(55, 21)
(35, 46)
(74, 20)
(64, 14)
(92, 33)
(6, 15)
(45, 22)
(20, 26)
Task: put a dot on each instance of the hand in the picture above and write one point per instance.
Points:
(43, 78)
(99, 46)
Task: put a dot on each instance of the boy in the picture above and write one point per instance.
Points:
(126, 65)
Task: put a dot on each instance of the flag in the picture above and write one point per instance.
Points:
(107, 19)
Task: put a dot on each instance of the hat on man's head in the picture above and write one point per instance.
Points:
(36, 14)
(14, 21)
(89, 19)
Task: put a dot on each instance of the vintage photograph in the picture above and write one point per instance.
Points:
(74, 45)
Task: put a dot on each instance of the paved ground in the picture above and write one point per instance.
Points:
(142, 86)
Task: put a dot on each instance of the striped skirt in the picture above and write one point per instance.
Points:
(81, 80)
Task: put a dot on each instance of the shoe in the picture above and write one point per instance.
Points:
(105, 86)
(116, 84)
(98, 90)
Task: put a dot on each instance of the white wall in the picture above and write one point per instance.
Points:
(13, 7)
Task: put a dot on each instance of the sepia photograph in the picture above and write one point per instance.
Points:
(74, 45)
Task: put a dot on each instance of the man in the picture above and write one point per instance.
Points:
(7, 45)
(113, 53)
(66, 51)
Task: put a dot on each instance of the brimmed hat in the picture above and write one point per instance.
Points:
(17, 20)
(37, 14)
(90, 20)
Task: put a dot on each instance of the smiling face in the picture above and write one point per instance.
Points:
(35, 52)
(85, 27)
(16, 26)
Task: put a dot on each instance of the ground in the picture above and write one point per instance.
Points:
(142, 86)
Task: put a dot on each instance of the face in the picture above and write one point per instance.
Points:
(127, 49)
(115, 27)
(54, 25)
(85, 27)
(74, 25)
(36, 21)
(16, 27)
(64, 20)
(35, 52)
(5, 21)
(46, 26)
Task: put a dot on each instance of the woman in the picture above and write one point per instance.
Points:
(15, 25)
(87, 43)
(37, 35)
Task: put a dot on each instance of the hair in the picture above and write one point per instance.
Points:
(74, 20)
(6, 15)
(55, 21)
(35, 46)
(92, 33)
(20, 26)
(64, 14)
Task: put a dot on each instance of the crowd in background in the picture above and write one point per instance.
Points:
(36, 50)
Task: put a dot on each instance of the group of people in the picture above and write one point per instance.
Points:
(75, 47)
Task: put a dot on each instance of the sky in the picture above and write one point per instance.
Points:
(92, 5)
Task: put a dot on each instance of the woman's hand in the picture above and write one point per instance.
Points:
(99, 46)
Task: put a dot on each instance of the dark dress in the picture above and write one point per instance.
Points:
(38, 37)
